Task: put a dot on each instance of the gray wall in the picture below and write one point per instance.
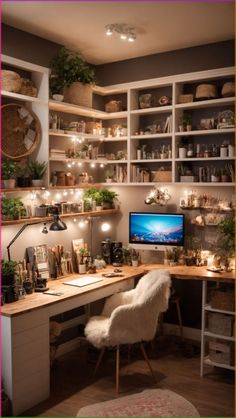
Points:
(28, 47)
(22, 45)
(181, 61)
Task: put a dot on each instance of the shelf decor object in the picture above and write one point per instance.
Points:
(21, 131)
(157, 197)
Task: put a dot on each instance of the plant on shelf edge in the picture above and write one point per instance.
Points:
(69, 67)
(37, 169)
(12, 208)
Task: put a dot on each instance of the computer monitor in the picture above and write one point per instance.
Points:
(155, 231)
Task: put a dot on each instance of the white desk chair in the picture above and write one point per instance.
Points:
(130, 317)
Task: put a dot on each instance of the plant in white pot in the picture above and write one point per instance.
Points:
(9, 171)
(37, 170)
(73, 77)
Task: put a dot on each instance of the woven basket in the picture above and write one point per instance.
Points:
(113, 106)
(79, 94)
(11, 81)
(206, 91)
(28, 88)
(20, 135)
(185, 98)
(161, 176)
(222, 300)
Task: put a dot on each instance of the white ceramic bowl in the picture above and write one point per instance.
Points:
(58, 97)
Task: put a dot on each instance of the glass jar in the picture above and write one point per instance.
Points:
(190, 152)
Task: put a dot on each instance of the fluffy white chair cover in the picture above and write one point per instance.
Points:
(130, 317)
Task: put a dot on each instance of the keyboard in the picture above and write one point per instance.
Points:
(83, 281)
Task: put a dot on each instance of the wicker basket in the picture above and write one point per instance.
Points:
(28, 88)
(221, 352)
(21, 131)
(11, 81)
(161, 176)
(113, 106)
(185, 98)
(220, 324)
(206, 91)
(79, 94)
(222, 300)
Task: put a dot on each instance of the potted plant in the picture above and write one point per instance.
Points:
(109, 176)
(37, 170)
(225, 174)
(108, 197)
(134, 257)
(226, 239)
(9, 271)
(95, 196)
(215, 175)
(23, 177)
(9, 171)
(185, 122)
(72, 76)
(12, 208)
(83, 254)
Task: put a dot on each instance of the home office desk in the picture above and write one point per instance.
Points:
(25, 327)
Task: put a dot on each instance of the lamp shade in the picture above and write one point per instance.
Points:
(57, 224)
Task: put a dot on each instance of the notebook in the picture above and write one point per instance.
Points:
(83, 281)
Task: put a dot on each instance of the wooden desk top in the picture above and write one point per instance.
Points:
(39, 300)
(194, 273)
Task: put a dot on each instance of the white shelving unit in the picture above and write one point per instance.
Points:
(39, 105)
(206, 334)
(138, 119)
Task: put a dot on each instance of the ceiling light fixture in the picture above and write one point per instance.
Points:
(125, 32)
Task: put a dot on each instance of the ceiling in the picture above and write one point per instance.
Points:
(160, 26)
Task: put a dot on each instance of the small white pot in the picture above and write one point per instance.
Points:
(58, 97)
(37, 183)
(82, 268)
(135, 263)
(182, 153)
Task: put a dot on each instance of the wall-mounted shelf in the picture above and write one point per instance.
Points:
(64, 215)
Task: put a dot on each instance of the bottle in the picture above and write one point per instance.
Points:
(223, 151)
(138, 153)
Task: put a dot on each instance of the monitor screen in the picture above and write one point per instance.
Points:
(156, 230)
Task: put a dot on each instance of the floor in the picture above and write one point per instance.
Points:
(176, 368)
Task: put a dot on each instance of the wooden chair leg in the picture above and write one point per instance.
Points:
(117, 367)
(99, 360)
(147, 360)
(180, 320)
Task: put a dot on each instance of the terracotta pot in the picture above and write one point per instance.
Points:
(9, 184)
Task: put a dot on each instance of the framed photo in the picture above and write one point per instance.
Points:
(38, 255)
(183, 202)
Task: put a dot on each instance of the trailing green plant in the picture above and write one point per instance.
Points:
(37, 169)
(13, 207)
(68, 67)
(9, 169)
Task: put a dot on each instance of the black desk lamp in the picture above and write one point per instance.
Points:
(57, 225)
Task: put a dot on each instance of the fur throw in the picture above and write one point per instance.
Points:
(130, 317)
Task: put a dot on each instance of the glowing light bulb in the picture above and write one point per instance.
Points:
(105, 227)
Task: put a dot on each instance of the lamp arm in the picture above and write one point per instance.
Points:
(17, 235)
